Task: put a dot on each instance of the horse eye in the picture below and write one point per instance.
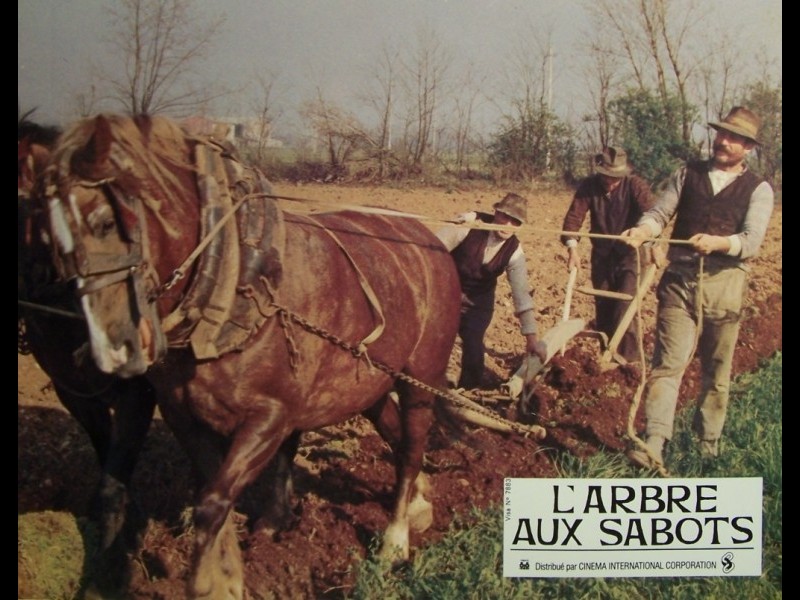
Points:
(101, 222)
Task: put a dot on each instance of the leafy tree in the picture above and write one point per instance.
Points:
(532, 143)
(650, 129)
(767, 102)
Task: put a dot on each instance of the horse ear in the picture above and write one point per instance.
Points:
(25, 166)
(93, 160)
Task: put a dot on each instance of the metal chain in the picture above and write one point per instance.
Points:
(359, 352)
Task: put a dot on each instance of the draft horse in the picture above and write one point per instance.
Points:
(253, 323)
(115, 413)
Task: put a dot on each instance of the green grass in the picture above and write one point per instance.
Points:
(468, 564)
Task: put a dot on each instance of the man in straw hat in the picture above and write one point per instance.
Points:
(481, 256)
(615, 200)
(721, 212)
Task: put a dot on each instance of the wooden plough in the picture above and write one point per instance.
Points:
(472, 412)
(610, 353)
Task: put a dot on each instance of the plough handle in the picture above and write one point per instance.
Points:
(573, 272)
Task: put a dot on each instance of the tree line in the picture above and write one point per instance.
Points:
(653, 76)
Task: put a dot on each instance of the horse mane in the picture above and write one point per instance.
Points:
(36, 133)
(34, 144)
(145, 154)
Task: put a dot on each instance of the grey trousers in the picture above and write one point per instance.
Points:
(694, 315)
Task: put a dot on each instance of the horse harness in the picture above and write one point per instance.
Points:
(232, 292)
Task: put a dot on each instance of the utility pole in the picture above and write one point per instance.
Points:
(549, 66)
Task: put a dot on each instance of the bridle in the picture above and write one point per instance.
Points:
(96, 271)
(99, 269)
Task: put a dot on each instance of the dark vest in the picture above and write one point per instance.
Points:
(478, 278)
(700, 211)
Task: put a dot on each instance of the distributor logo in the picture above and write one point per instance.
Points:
(727, 562)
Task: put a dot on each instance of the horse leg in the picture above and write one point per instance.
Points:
(405, 428)
(203, 446)
(133, 406)
(93, 415)
(277, 513)
(217, 570)
(116, 424)
(385, 416)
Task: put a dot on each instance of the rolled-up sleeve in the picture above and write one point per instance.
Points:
(517, 272)
(746, 243)
(452, 235)
(657, 217)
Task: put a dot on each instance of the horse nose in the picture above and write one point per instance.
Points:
(110, 359)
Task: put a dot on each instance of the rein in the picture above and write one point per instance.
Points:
(51, 309)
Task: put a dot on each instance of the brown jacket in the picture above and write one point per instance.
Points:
(609, 214)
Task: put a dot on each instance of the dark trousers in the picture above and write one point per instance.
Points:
(609, 312)
(475, 319)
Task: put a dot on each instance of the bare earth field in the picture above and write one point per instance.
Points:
(344, 476)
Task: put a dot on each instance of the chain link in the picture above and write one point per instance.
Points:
(359, 352)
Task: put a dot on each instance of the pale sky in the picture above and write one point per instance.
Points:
(335, 43)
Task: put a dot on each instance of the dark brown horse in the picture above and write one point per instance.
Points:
(276, 322)
(115, 413)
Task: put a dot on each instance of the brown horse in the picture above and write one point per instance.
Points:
(276, 323)
(115, 413)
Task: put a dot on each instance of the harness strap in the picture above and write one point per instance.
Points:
(365, 286)
(98, 282)
(180, 272)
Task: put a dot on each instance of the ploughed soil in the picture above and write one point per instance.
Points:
(344, 475)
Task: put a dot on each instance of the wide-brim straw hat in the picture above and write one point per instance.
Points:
(514, 206)
(741, 121)
(612, 161)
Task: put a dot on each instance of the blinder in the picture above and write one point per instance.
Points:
(99, 269)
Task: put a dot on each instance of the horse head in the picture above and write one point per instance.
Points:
(113, 190)
(115, 413)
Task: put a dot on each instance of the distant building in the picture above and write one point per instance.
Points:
(243, 133)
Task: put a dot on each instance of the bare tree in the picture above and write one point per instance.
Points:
(161, 43)
(719, 80)
(621, 28)
(602, 76)
(86, 102)
(425, 72)
(339, 130)
(465, 104)
(674, 29)
(527, 78)
(655, 39)
(264, 108)
(381, 96)
(529, 128)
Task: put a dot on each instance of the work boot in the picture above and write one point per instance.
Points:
(640, 458)
(709, 448)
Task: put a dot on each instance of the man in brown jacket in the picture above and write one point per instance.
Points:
(614, 199)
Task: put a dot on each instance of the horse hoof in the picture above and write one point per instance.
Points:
(395, 546)
(420, 514)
